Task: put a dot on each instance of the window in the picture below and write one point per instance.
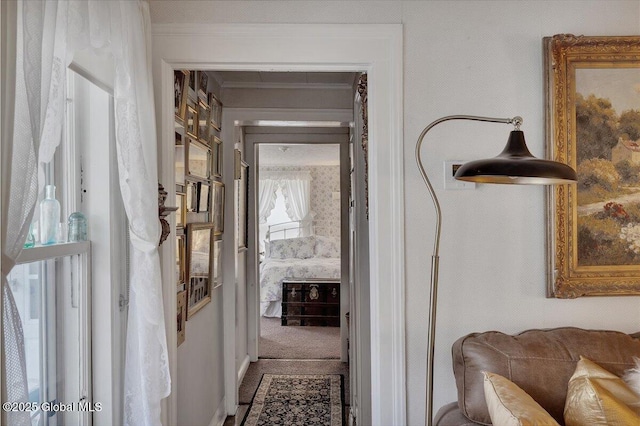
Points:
(50, 287)
(54, 290)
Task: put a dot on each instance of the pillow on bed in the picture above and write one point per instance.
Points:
(296, 248)
(327, 247)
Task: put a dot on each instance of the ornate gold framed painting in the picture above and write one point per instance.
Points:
(593, 124)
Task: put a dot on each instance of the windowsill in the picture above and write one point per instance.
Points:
(40, 252)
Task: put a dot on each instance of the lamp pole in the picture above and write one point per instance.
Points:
(435, 258)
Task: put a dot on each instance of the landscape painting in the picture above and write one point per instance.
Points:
(607, 114)
(593, 125)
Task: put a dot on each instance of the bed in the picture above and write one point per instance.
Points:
(300, 257)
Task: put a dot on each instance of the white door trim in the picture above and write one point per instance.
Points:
(376, 49)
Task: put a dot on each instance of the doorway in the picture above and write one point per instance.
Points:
(299, 245)
(275, 47)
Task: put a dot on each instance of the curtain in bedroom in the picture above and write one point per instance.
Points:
(296, 189)
(267, 189)
(48, 33)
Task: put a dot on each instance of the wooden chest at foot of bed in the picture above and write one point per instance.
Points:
(311, 301)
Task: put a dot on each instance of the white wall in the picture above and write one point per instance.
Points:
(200, 370)
(465, 57)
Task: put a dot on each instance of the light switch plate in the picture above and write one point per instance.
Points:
(450, 167)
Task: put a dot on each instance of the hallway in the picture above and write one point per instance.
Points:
(285, 366)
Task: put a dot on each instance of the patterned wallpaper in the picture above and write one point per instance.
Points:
(325, 181)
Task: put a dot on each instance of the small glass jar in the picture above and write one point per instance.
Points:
(77, 227)
(49, 216)
(31, 239)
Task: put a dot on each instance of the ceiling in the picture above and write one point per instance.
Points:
(231, 78)
(271, 155)
(291, 154)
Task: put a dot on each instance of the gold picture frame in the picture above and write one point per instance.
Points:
(203, 84)
(181, 316)
(191, 202)
(180, 87)
(204, 192)
(181, 264)
(198, 160)
(592, 96)
(216, 156)
(203, 123)
(217, 261)
(192, 92)
(179, 158)
(181, 213)
(199, 265)
(217, 206)
(191, 122)
(216, 112)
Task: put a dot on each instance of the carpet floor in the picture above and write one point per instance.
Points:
(295, 342)
(300, 399)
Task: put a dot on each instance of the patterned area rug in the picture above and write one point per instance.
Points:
(297, 400)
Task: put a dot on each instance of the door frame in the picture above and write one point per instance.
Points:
(339, 119)
(376, 49)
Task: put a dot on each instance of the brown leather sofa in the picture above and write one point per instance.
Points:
(541, 362)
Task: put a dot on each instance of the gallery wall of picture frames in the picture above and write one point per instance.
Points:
(199, 193)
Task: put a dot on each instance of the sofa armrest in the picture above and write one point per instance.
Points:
(450, 415)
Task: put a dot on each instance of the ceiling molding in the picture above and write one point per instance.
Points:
(287, 86)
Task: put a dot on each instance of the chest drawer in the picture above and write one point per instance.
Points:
(311, 302)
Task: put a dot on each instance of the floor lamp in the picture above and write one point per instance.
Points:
(514, 165)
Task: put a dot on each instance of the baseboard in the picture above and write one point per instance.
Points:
(243, 369)
(220, 415)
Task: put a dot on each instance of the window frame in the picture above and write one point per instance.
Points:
(48, 367)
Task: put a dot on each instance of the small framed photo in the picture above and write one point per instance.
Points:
(204, 191)
(193, 95)
(192, 196)
(203, 124)
(203, 83)
(199, 261)
(181, 315)
(243, 202)
(179, 164)
(181, 213)
(217, 207)
(216, 112)
(198, 157)
(191, 122)
(180, 86)
(216, 156)
(181, 264)
(217, 261)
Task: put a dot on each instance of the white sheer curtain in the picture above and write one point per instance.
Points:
(48, 34)
(267, 188)
(296, 189)
(147, 379)
(37, 123)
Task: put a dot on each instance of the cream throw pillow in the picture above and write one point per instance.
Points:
(511, 406)
(598, 397)
(632, 378)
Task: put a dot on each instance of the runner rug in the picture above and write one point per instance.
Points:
(297, 400)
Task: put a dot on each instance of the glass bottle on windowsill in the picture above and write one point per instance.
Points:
(49, 216)
(31, 239)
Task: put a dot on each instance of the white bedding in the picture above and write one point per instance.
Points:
(273, 271)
